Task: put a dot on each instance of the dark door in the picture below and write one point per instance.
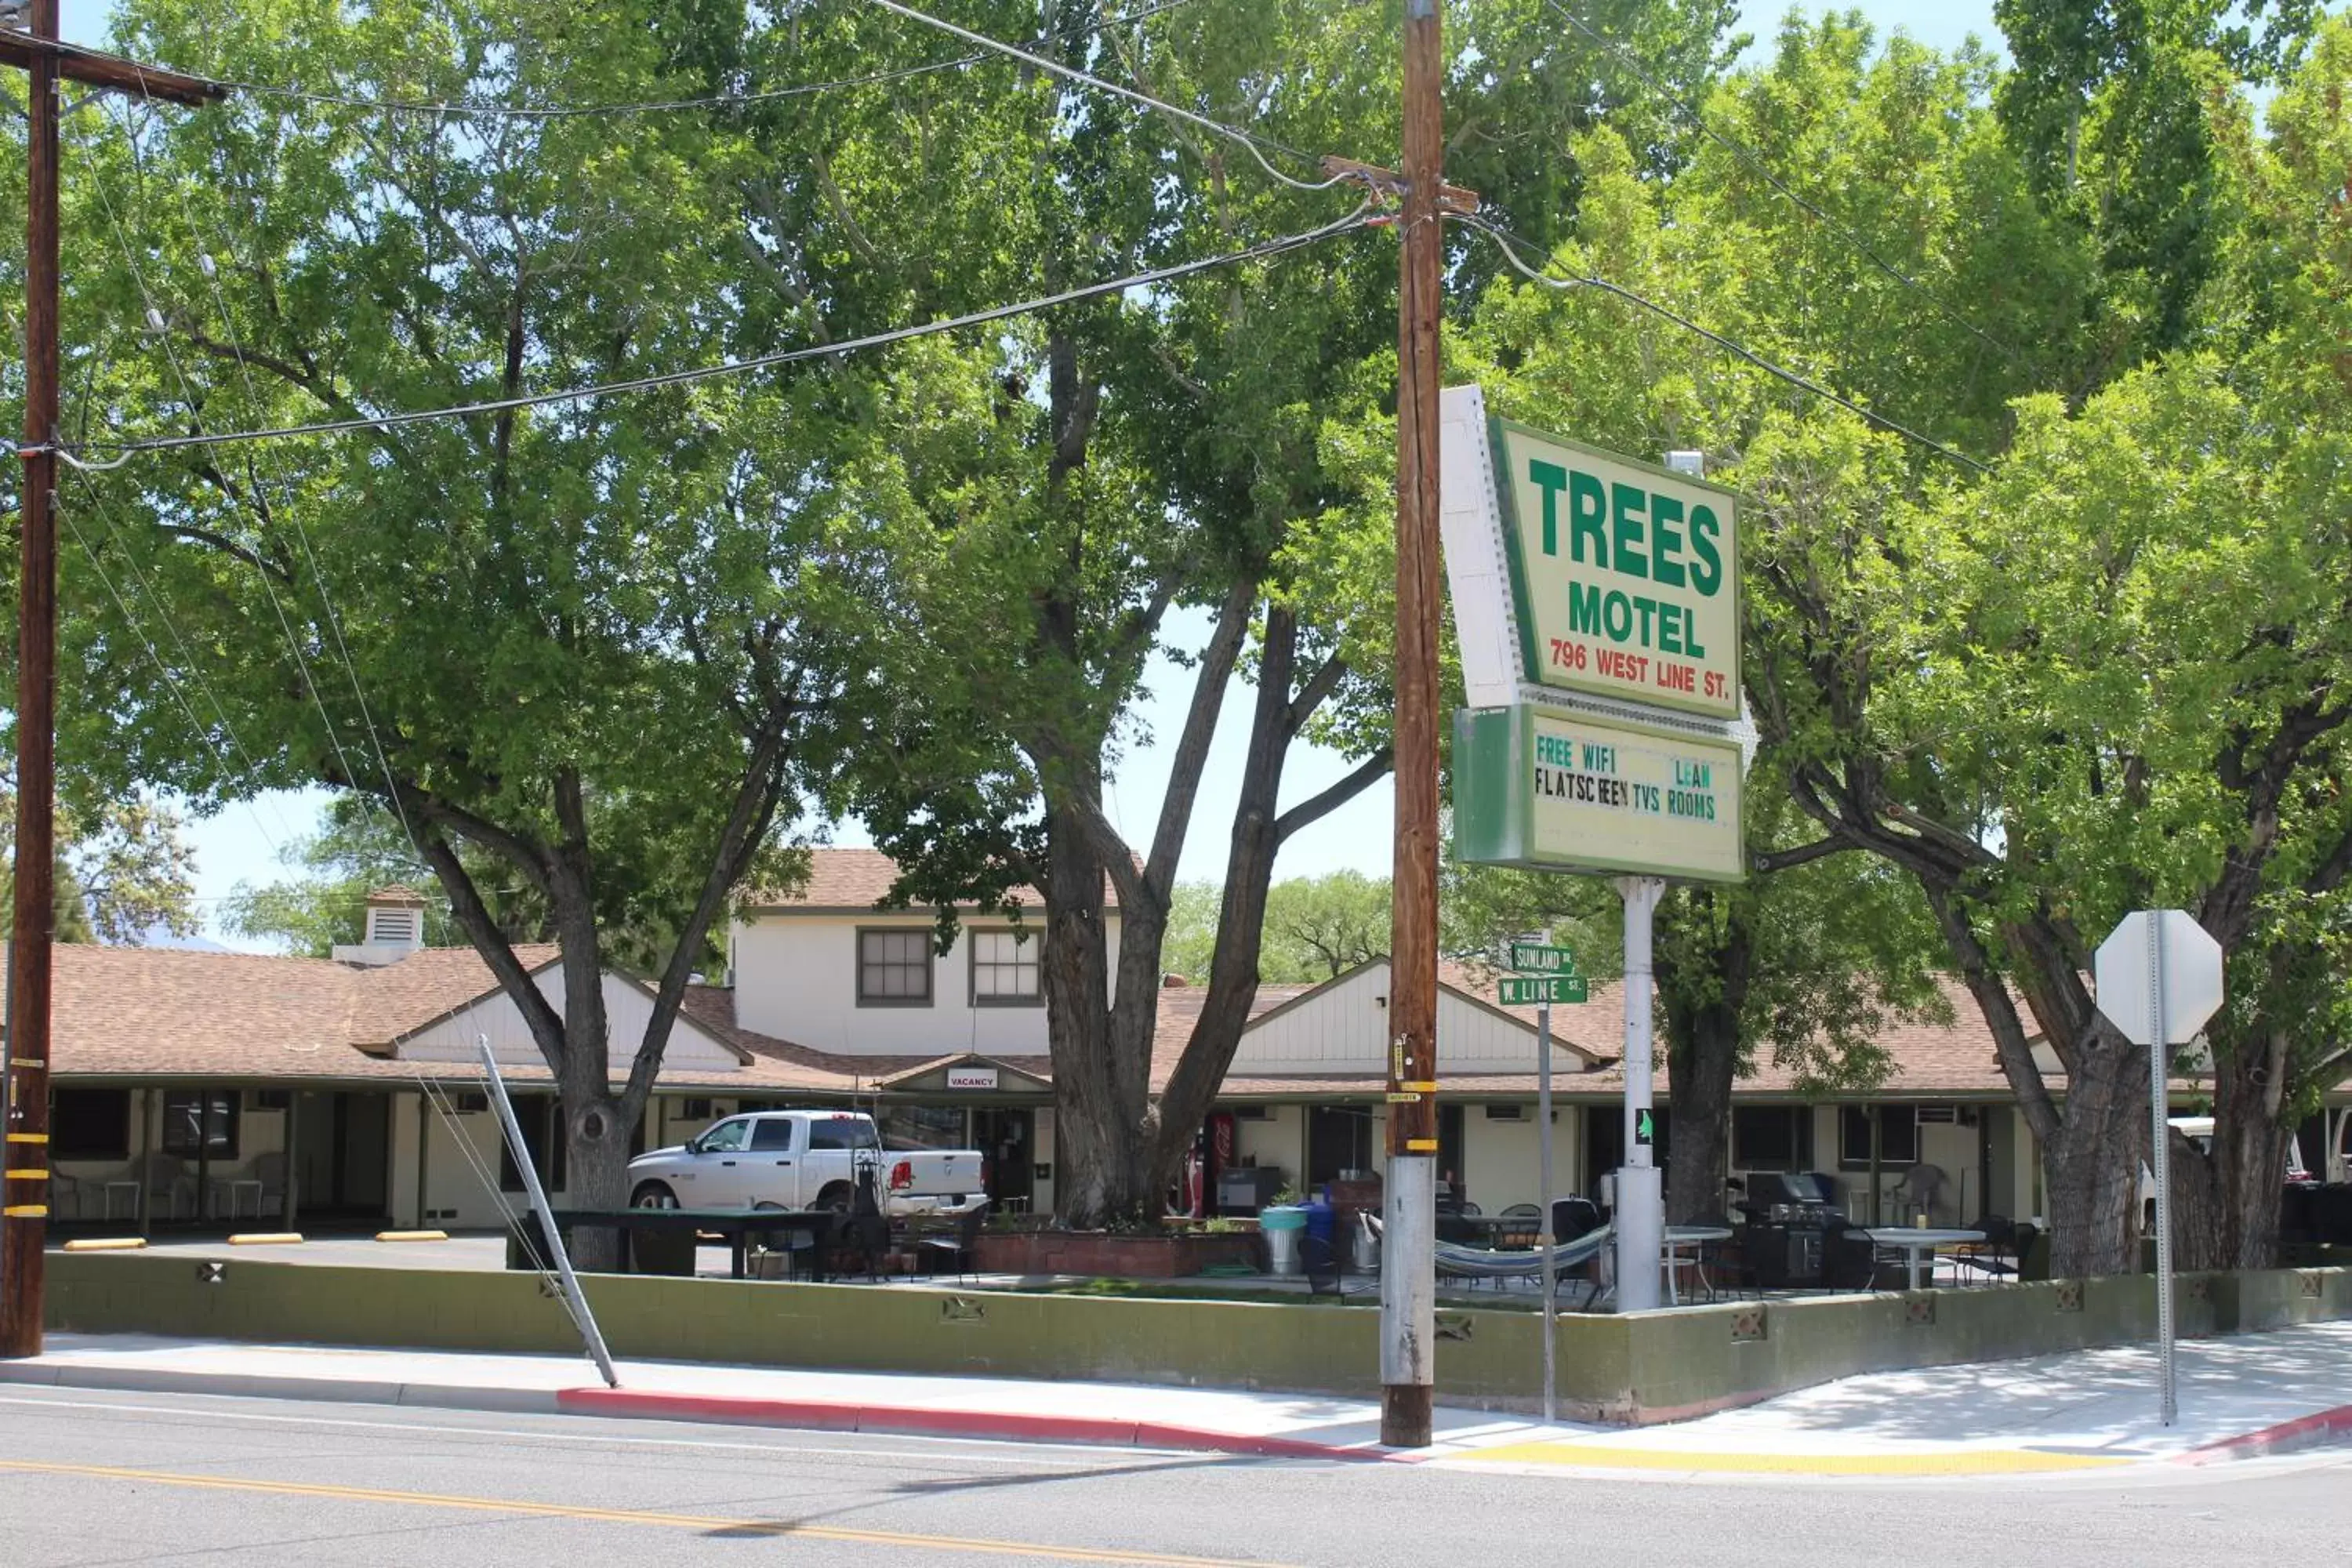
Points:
(1338, 1139)
(1005, 1135)
(343, 1153)
(363, 1170)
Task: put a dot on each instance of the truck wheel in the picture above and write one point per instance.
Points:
(653, 1196)
(835, 1197)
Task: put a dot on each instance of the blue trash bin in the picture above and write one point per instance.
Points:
(1320, 1219)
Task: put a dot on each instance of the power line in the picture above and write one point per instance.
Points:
(1690, 111)
(466, 109)
(1505, 241)
(1233, 133)
(1272, 248)
(292, 509)
(171, 682)
(158, 322)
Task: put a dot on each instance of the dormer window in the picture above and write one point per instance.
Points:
(395, 927)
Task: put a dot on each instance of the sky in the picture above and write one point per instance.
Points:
(240, 844)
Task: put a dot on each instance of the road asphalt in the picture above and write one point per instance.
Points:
(91, 1477)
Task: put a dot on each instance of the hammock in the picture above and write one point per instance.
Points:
(1483, 1263)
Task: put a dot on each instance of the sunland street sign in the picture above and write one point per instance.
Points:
(1577, 569)
(1554, 791)
(1542, 958)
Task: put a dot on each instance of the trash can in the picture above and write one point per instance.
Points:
(1282, 1227)
(1366, 1254)
(1321, 1218)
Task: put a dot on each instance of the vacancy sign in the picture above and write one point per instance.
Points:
(1613, 578)
(1561, 792)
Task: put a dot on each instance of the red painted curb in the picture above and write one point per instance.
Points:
(2304, 1431)
(822, 1415)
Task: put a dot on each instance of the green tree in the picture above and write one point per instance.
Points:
(595, 644)
(355, 852)
(123, 871)
(1185, 445)
(1316, 928)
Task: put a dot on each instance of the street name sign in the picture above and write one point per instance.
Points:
(1541, 958)
(1526, 991)
(1563, 792)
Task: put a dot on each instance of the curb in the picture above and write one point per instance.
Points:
(650, 1404)
(2288, 1437)
(819, 1416)
(251, 1385)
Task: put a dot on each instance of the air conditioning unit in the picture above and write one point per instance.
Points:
(470, 1102)
(1943, 1115)
(1507, 1113)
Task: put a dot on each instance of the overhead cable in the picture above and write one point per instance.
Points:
(1507, 242)
(1690, 111)
(75, 453)
(1232, 133)
(293, 510)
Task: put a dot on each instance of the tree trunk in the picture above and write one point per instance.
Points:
(1098, 1177)
(2249, 1143)
(1702, 1055)
(2093, 1165)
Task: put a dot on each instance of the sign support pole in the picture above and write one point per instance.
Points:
(1640, 1217)
(1408, 1279)
(2159, 1072)
(1545, 1240)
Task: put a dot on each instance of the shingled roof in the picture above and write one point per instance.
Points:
(847, 880)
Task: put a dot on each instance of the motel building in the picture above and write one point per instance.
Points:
(211, 1090)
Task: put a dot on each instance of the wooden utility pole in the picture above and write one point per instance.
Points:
(1408, 1277)
(24, 1209)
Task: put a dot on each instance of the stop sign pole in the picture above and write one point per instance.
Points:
(2159, 1097)
(2159, 978)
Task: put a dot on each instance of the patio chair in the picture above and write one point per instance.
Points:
(1722, 1265)
(1996, 1254)
(269, 1169)
(1849, 1262)
(961, 1244)
(164, 1183)
(1320, 1261)
(1917, 1191)
(1572, 1220)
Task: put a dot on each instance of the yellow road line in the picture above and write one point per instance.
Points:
(1950, 1462)
(631, 1516)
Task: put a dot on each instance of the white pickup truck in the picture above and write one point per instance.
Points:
(799, 1160)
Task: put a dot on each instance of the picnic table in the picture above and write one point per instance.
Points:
(1918, 1246)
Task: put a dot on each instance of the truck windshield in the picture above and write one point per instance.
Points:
(843, 1133)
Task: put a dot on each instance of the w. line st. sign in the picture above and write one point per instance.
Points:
(1528, 991)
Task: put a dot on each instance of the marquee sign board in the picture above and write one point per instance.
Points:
(1582, 571)
(1563, 792)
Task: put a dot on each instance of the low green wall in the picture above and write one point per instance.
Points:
(1638, 1368)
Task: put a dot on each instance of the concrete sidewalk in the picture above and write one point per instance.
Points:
(2085, 1411)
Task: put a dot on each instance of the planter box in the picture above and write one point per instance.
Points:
(1098, 1252)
